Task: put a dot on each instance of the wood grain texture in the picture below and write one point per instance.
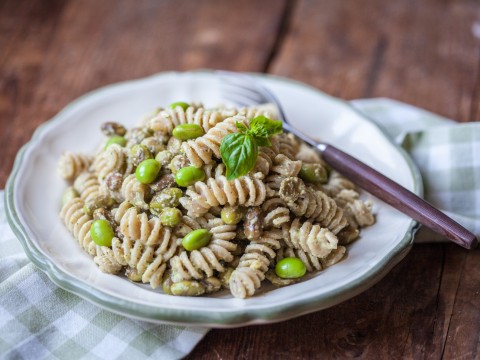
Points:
(56, 51)
(421, 52)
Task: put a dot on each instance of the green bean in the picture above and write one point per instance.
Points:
(212, 284)
(232, 215)
(196, 239)
(164, 157)
(182, 104)
(139, 153)
(187, 131)
(314, 173)
(119, 140)
(187, 288)
(290, 268)
(101, 201)
(147, 171)
(153, 145)
(178, 162)
(189, 175)
(170, 217)
(102, 233)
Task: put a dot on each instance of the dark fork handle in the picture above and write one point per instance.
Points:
(397, 196)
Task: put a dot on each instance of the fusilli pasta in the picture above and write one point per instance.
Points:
(288, 203)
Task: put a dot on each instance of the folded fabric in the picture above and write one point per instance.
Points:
(40, 321)
(447, 154)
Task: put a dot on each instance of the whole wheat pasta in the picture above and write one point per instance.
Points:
(265, 215)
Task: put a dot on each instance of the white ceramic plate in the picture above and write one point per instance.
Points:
(34, 192)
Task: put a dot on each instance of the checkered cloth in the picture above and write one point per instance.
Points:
(40, 321)
(448, 157)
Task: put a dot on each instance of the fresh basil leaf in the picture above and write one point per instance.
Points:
(263, 126)
(262, 141)
(239, 154)
(241, 127)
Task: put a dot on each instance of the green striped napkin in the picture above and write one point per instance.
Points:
(446, 153)
(40, 321)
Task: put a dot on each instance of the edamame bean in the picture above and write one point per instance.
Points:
(182, 104)
(147, 171)
(189, 175)
(119, 140)
(187, 131)
(101, 201)
(212, 284)
(167, 198)
(69, 194)
(164, 157)
(196, 239)
(187, 288)
(153, 145)
(232, 215)
(170, 217)
(290, 268)
(139, 153)
(102, 233)
(178, 162)
(314, 173)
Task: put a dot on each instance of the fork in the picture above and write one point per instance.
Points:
(244, 90)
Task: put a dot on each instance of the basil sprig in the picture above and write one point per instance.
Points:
(239, 151)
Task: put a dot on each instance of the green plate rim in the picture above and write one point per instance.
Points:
(231, 318)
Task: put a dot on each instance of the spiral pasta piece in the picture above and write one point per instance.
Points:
(337, 183)
(201, 150)
(288, 145)
(276, 213)
(166, 120)
(285, 166)
(357, 212)
(310, 238)
(201, 263)
(254, 263)
(246, 190)
(71, 165)
(318, 207)
(268, 110)
(78, 223)
(87, 185)
(107, 261)
(113, 159)
(138, 227)
(134, 191)
(311, 262)
(146, 262)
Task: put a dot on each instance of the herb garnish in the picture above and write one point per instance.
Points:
(239, 151)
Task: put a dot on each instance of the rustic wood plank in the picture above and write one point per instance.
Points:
(463, 341)
(420, 52)
(376, 324)
(69, 48)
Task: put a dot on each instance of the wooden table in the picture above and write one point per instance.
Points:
(423, 52)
